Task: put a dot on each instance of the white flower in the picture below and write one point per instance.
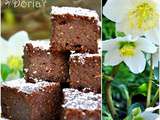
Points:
(136, 17)
(11, 52)
(156, 58)
(149, 115)
(128, 49)
(13, 47)
(3, 50)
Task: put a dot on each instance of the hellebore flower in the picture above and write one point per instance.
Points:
(129, 50)
(135, 17)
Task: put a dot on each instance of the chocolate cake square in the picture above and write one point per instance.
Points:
(41, 64)
(29, 101)
(75, 29)
(81, 106)
(85, 71)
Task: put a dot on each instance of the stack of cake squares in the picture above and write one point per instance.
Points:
(62, 77)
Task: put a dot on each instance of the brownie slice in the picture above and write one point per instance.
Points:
(81, 106)
(41, 64)
(74, 29)
(85, 71)
(28, 101)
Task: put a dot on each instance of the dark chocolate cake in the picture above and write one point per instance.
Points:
(48, 67)
(85, 71)
(74, 29)
(29, 101)
(80, 105)
(41, 64)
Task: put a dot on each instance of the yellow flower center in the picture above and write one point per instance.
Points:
(144, 16)
(127, 49)
(15, 62)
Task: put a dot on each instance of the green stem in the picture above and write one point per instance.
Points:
(129, 101)
(155, 98)
(109, 99)
(150, 83)
(115, 70)
(109, 93)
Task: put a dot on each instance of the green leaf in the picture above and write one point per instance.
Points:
(135, 114)
(108, 29)
(142, 89)
(9, 17)
(21, 73)
(124, 75)
(139, 117)
(107, 70)
(5, 71)
(124, 92)
(133, 106)
(106, 115)
(136, 111)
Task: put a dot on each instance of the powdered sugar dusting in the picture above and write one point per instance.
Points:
(82, 56)
(75, 11)
(14, 83)
(28, 88)
(43, 44)
(75, 99)
(26, 70)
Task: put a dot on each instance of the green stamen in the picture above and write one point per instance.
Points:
(15, 62)
(127, 49)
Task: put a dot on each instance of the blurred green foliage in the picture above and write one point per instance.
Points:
(8, 73)
(135, 114)
(5, 71)
(108, 29)
(36, 21)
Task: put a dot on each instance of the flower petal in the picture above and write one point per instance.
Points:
(154, 35)
(112, 58)
(146, 45)
(124, 26)
(109, 44)
(137, 2)
(17, 41)
(149, 116)
(158, 5)
(156, 59)
(136, 63)
(22, 35)
(152, 109)
(115, 10)
(158, 118)
(3, 50)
